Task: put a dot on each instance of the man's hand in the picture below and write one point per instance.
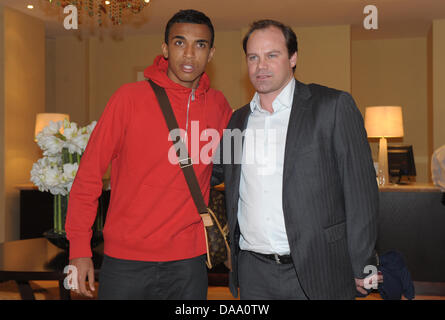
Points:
(360, 283)
(85, 268)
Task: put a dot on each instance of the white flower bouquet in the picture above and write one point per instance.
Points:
(55, 172)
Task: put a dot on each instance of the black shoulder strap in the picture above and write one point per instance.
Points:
(185, 164)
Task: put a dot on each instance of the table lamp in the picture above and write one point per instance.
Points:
(43, 119)
(384, 122)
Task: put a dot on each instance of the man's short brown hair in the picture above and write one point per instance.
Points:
(288, 33)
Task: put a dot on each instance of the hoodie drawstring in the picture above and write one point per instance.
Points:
(205, 113)
(192, 97)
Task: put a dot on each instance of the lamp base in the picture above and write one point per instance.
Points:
(383, 176)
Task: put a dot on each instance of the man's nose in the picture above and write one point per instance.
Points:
(189, 52)
(262, 64)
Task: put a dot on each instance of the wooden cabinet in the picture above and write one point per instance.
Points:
(36, 211)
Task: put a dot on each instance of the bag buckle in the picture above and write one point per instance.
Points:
(184, 163)
(207, 220)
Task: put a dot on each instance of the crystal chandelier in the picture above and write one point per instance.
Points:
(113, 9)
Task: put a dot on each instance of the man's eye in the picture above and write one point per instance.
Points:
(179, 43)
(201, 45)
(252, 58)
(272, 55)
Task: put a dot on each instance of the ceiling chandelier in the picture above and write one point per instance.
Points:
(113, 9)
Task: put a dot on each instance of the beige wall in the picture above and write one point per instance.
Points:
(67, 78)
(2, 128)
(225, 70)
(114, 63)
(247, 90)
(394, 72)
(50, 75)
(324, 56)
(24, 89)
(430, 116)
(438, 56)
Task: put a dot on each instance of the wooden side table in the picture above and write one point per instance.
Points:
(38, 259)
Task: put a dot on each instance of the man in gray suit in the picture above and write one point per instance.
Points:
(300, 185)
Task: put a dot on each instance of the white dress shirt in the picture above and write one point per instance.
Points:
(260, 211)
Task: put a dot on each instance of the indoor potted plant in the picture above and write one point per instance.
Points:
(63, 144)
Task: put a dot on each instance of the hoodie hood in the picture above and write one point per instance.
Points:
(158, 73)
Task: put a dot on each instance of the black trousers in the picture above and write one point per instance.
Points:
(263, 279)
(142, 280)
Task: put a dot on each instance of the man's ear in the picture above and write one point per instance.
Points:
(164, 48)
(293, 60)
(211, 53)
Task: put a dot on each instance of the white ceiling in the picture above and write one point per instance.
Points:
(397, 18)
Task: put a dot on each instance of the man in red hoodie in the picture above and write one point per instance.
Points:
(154, 240)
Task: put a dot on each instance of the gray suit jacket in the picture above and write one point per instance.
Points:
(330, 194)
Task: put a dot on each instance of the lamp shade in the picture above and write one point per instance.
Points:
(43, 119)
(384, 121)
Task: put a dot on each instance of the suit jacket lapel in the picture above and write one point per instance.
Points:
(240, 124)
(297, 131)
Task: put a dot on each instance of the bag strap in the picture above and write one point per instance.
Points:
(185, 164)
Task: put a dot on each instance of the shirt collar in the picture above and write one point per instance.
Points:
(283, 100)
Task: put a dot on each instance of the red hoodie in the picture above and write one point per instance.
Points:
(151, 215)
